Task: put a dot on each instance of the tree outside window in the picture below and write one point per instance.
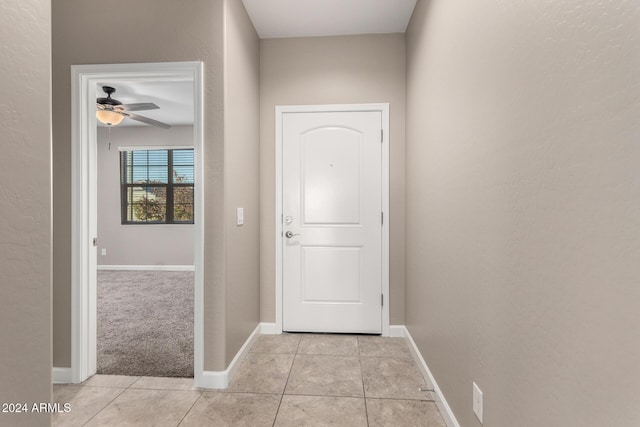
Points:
(157, 186)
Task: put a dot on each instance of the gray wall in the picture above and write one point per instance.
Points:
(523, 249)
(25, 208)
(162, 244)
(241, 178)
(149, 31)
(332, 70)
(217, 33)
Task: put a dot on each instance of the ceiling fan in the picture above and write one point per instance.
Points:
(111, 111)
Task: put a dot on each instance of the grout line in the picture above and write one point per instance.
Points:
(287, 382)
(402, 399)
(339, 396)
(190, 408)
(242, 392)
(364, 394)
(131, 385)
(105, 406)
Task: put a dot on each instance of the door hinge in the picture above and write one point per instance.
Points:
(382, 300)
(95, 241)
(382, 218)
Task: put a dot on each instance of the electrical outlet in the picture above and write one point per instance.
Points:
(477, 402)
(104, 252)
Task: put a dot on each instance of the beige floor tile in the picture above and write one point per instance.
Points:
(276, 344)
(164, 383)
(403, 413)
(298, 411)
(85, 403)
(325, 376)
(262, 373)
(233, 409)
(117, 381)
(146, 408)
(329, 345)
(372, 346)
(392, 377)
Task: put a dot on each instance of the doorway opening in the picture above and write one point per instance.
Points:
(145, 229)
(87, 83)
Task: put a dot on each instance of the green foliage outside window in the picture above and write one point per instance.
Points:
(157, 186)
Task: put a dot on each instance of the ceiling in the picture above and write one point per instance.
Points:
(310, 18)
(272, 19)
(175, 99)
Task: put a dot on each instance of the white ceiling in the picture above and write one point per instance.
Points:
(175, 99)
(309, 18)
(272, 19)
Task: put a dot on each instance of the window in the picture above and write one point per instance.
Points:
(156, 186)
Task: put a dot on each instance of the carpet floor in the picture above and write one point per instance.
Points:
(145, 323)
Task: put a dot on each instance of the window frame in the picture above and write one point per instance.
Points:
(169, 186)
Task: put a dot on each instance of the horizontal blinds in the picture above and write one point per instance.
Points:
(157, 186)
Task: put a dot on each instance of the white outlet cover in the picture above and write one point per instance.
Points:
(477, 402)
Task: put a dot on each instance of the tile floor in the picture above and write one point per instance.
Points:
(285, 380)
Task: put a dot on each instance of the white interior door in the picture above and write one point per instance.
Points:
(332, 225)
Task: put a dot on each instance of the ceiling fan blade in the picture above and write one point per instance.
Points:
(146, 120)
(140, 106)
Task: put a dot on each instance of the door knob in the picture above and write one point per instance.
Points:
(290, 234)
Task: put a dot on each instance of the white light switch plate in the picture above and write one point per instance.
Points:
(240, 216)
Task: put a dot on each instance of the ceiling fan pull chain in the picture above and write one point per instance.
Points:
(109, 136)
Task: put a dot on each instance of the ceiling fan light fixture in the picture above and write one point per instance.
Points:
(108, 117)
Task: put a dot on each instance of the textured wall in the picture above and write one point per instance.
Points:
(523, 233)
(25, 208)
(87, 32)
(137, 244)
(241, 178)
(332, 70)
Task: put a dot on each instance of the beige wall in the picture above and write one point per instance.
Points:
(148, 244)
(87, 32)
(25, 208)
(523, 248)
(241, 177)
(332, 70)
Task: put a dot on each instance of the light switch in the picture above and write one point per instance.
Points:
(240, 216)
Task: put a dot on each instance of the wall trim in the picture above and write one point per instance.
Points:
(221, 379)
(62, 375)
(444, 408)
(270, 329)
(397, 331)
(84, 80)
(148, 267)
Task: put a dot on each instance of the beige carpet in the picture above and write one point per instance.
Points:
(145, 323)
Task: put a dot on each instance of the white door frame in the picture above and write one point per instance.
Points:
(84, 80)
(384, 110)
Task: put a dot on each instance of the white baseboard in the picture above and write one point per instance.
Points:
(444, 408)
(269, 329)
(148, 267)
(397, 331)
(221, 379)
(62, 375)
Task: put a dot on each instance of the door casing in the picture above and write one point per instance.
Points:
(84, 79)
(383, 108)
